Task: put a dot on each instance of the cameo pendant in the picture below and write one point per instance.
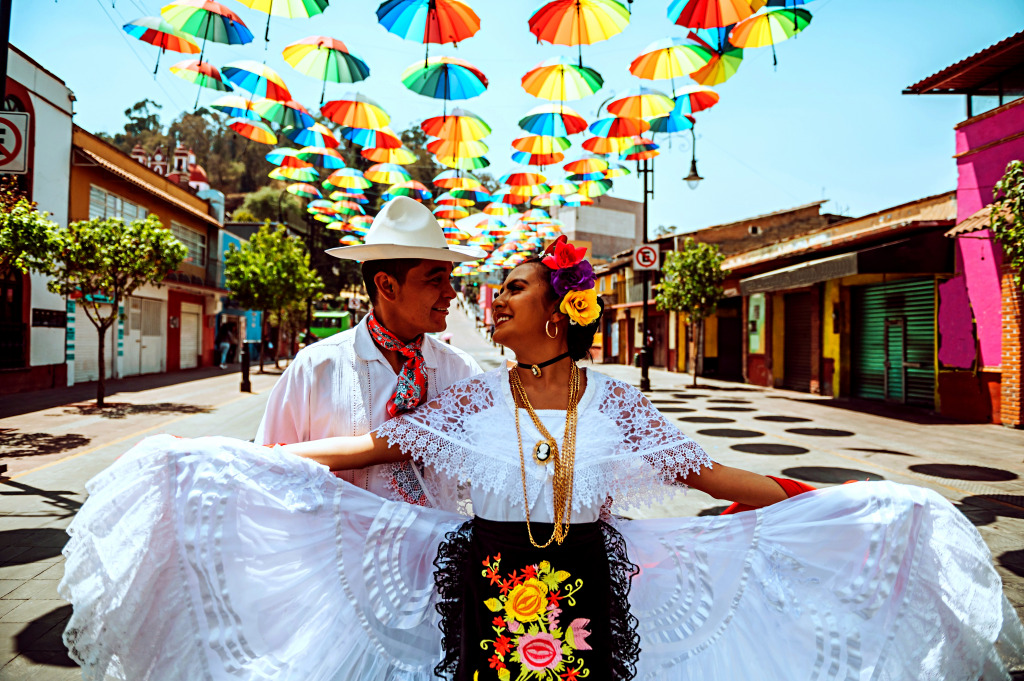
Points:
(544, 450)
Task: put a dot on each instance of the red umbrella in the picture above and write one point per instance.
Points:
(709, 13)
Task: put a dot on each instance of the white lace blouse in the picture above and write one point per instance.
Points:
(466, 439)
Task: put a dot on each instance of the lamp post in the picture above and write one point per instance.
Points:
(643, 169)
(692, 180)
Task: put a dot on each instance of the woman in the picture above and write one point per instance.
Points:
(200, 559)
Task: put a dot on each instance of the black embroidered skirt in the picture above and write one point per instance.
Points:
(512, 611)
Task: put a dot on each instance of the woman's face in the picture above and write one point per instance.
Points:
(523, 306)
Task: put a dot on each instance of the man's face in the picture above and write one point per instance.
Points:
(422, 300)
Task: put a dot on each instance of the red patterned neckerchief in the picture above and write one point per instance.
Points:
(412, 378)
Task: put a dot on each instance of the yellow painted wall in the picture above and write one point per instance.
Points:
(778, 337)
(682, 346)
(711, 336)
(830, 328)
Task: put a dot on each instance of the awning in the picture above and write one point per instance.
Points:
(978, 221)
(925, 254)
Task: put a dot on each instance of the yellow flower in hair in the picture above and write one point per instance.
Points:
(581, 306)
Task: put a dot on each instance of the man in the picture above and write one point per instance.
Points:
(354, 381)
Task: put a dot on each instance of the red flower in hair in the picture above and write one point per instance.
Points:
(562, 254)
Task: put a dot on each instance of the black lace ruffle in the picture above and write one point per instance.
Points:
(624, 624)
(451, 581)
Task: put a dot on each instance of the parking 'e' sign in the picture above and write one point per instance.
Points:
(13, 142)
(646, 257)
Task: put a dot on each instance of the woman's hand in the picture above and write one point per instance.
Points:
(344, 453)
(736, 484)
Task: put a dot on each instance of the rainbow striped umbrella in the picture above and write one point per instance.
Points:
(235, 106)
(499, 209)
(641, 102)
(457, 148)
(287, 114)
(401, 155)
(665, 59)
(409, 188)
(473, 195)
(207, 20)
(541, 144)
(157, 32)
(294, 174)
(445, 78)
(305, 191)
(769, 28)
(387, 173)
(641, 150)
(584, 177)
(615, 171)
(576, 200)
(286, 157)
(325, 59)
(535, 215)
(456, 179)
(257, 78)
(429, 21)
(694, 98)
(547, 200)
(555, 120)
(606, 145)
(558, 79)
(451, 212)
(725, 59)
(521, 179)
(349, 195)
(459, 124)
(618, 126)
(447, 199)
(323, 157)
(578, 22)
(587, 164)
(316, 135)
(347, 178)
(564, 188)
(708, 13)
(527, 159)
(530, 189)
(257, 131)
(674, 121)
(506, 196)
(464, 162)
(346, 207)
(384, 138)
(201, 73)
(355, 110)
(289, 9)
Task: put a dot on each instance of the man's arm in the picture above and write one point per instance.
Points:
(286, 419)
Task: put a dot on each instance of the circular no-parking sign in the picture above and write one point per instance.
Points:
(13, 133)
(646, 257)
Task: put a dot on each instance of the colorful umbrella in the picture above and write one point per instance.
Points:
(474, 195)
(456, 179)
(694, 98)
(429, 21)
(346, 207)
(530, 190)
(498, 209)
(323, 157)
(674, 121)
(202, 74)
(316, 135)
(527, 159)
(641, 102)
(668, 58)
(768, 28)
(509, 198)
(575, 200)
(355, 110)
(587, 164)
(619, 127)
(595, 188)
(725, 59)
(236, 107)
(257, 131)
(303, 190)
(564, 188)
(207, 20)
(387, 173)
(460, 124)
(560, 80)
(535, 215)
(286, 157)
(520, 179)
(257, 78)
(578, 22)
(613, 172)
(401, 155)
(556, 120)
(385, 138)
(287, 114)
(708, 13)
(411, 188)
(445, 78)
(289, 9)
(642, 150)
(547, 200)
(447, 199)
(349, 178)
(541, 144)
(606, 145)
(157, 32)
(349, 195)
(326, 59)
(294, 174)
(464, 163)
(584, 177)
(451, 212)
(457, 148)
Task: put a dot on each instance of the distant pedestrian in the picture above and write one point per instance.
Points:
(226, 340)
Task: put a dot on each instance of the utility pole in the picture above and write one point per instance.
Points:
(5, 42)
(645, 168)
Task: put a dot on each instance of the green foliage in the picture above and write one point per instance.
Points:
(692, 280)
(276, 205)
(26, 235)
(1008, 218)
(243, 215)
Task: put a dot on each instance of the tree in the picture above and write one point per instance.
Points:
(1007, 220)
(271, 273)
(102, 262)
(692, 283)
(276, 205)
(26, 235)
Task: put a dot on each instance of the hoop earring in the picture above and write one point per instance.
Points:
(547, 332)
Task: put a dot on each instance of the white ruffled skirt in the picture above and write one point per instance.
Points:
(218, 559)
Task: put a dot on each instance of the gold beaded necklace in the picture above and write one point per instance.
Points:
(547, 448)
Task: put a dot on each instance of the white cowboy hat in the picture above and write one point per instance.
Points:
(405, 228)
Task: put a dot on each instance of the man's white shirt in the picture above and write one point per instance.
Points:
(340, 386)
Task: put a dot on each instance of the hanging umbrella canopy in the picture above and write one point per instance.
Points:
(304, 191)
(674, 121)
(595, 188)
(459, 124)
(356, 110)
(319, 204)
(463, 162)
(691, 99)
(445, 78)
(429, 21)
(576, 200)
(521, 179)
(325, 59)
(584, 177)
(447, 199)
(669, 59)
(294, 174)
(236, 107)
(505, 196)
(257, 78)
(323, 157)
(615, 171)
(316, 135)
(637, 154)
(346, 195)
(346, 207)
(708, 13)
(207, 20)
(257, 131)
(558, 79)
(450, 212)
(456, 179)
(578, 22)
(541, 144)
(535, 215)
(499, 209)
(457, 149)
(527, 159)
(201, 73)
(555, 120)
(725, 60)
(606, 145)
(529, 189)
(563, 188)
(289, 9)
(641, 102)
(409, 188)
(361, 221)
(286, 157)
(618, 127)
(387, 173)
(769, 28)
(472, 195)
(157, 32)
(547, 200)
(287, 114)
(385, 138)
(347, 178)
(587, 164)
(401, 155)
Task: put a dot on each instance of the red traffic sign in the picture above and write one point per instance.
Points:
(13, 142)
(646, 257)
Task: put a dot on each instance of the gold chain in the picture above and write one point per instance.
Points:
(565, 459)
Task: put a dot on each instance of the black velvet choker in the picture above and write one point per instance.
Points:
(535, 368)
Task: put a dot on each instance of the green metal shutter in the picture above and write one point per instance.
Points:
(895, 322)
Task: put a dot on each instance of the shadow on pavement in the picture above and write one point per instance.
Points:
(1012, 561)
(41, 640)
(828, 474)
(873, 450)
(985, 510)
(120, 410)
(885, 409)
(769, 449)
(28, 546)
(819, 432)
(60, 500)
(730, 432)
(964, 472)
(14, 443)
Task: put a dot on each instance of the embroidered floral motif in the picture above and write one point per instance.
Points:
(529, 638)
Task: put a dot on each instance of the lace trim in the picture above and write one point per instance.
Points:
(624, 625)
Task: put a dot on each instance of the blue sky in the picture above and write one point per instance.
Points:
(828, 123)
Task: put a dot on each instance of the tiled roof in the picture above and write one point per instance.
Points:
(978, 71)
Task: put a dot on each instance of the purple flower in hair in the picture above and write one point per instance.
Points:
(579, 277)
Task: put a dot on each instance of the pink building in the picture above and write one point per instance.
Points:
(979, 312)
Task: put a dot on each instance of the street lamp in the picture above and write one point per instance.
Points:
(694, 178)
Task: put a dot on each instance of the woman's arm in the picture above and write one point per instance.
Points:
(736, 484)
(343, 453)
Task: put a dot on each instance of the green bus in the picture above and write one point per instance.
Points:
(327, 323)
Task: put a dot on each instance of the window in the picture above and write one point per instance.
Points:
(195, 242)
(103, 204)
(753, 230)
